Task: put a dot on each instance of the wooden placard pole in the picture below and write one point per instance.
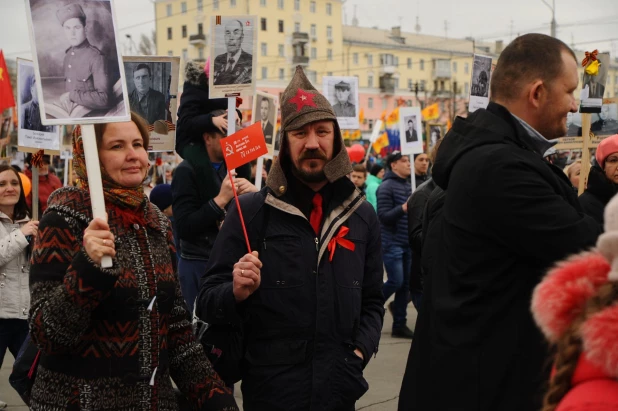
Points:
(95, 184)
(258, 172)
(35, 193)
(585, 170)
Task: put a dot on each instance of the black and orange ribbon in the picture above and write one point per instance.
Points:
(590, 57)
(37, 159)
(339, 240)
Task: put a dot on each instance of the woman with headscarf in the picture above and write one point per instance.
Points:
(111, 338)
(602, 182)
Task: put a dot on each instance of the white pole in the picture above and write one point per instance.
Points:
(413, 174)
(94, 180)
(258, 172)
(35, 192)
(66, 171)
(231, 119)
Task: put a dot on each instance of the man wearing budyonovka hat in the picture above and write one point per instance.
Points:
(343, 107)
(310, 294)
(86, 77)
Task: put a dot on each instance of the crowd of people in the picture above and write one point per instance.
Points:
(478, 236)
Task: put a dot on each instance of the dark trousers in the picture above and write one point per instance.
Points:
(13, 332)
(397, 261)
(190, 273)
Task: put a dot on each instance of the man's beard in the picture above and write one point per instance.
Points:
(310, 176)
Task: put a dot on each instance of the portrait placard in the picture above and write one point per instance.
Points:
(265, 112)
(152, 84)
(435, 131)
(593, 87)
(32, 135)
(77, 59)
(481, 76)
(342, 93)
(410, 130)
(603, 123)
(233, 56)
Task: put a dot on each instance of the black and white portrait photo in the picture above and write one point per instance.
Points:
(152, 83)
(277, 142)
(604, 123)
(342, 93)
(233, 56)
(435, 134)
(481, 76)
(593, 86)
(265, 109)
(77, 61)
(31, 132)
(410, 130)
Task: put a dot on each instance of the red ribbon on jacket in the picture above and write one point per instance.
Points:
(339, 240)
(589, 57)
(37, 159)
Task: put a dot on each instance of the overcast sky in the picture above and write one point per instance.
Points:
(589, 24)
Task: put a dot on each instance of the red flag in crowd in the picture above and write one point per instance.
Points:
(6, 91)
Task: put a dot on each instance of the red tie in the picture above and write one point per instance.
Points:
(316, 213)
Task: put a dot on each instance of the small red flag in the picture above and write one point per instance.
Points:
(6, 91)
(244, 146)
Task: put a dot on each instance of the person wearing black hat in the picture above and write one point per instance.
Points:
(310, 293)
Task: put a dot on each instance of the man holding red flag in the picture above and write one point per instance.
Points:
(310, 295)
(6, 91)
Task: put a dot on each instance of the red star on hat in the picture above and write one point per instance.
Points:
(302, 99)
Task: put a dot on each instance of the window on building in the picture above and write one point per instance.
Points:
(370, 81)
(281, 50)
(396, 82)
(200, 5)
(329, 9)
(263, 3)
(396, 61)
(466, 88)
(170, 53)
(421, 65)
(423, 85)
(454, 67)
(296, 5)
(387, 60)
(384, 104)
(314, 53)
(263, 23)
(264, 48)
(183, 7)
(185, 54)
(312, 75)
(232, 3)
(296, 27)
(169, 33)
(200, 28)
(312, 6)
(329, 73)
(313, 31)
(370, 102)
(329, 32)
(467, 68)
(184, 31)
(168, 10)
(281, 74)
(280, 4)
(409, 63)
(355, 58)
(215, 4)
(280, 26)
(264, 72)
(200, 53)
(329, 54)
(410, 84)
(370, 59)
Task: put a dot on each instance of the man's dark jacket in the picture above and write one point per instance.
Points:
(392, 194)
(155, 101)
(508, 216)
(309, 313)
(598, 193)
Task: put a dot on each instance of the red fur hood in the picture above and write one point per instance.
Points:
(561, 297)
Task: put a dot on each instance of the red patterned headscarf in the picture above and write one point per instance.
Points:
(131, 197)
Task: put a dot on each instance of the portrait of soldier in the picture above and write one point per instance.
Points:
(234, 66)
(343, 107)
(144, 100)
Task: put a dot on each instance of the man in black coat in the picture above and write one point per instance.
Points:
(508, 215)
(310, 293)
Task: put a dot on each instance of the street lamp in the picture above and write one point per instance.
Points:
(553, 16)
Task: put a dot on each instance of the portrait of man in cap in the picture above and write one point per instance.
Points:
(343, 107)
(235, 65)
(144, 99)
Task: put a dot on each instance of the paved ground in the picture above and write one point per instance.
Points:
(384, 373)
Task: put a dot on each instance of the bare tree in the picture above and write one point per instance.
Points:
(148, 45)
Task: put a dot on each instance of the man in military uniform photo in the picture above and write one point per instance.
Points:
(267, 126)
(31, 114)
(233, 67)
(87, 81)
(144, 100)
(343, 108)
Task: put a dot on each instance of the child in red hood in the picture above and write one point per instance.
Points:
(575, 307)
